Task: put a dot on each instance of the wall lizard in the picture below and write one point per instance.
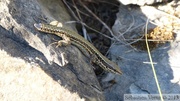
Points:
(71, 37)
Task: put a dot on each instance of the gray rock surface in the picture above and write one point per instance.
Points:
(140, 2)
(69, 74)
(32, 69)
(138, 77)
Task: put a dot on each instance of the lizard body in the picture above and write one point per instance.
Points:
(77, 40)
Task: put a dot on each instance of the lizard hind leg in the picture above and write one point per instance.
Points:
(93, 58)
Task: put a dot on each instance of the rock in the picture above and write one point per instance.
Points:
(138, 75)
(140, 2)
(32, 68)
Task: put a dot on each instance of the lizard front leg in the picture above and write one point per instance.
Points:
(66, 41)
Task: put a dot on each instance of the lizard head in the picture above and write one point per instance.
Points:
(45, 27)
